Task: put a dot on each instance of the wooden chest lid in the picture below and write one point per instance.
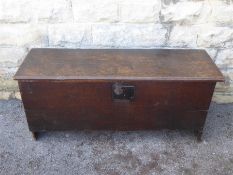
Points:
(118, 64)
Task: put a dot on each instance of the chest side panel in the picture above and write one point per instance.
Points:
(56, 105)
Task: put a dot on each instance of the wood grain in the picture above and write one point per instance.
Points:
(71, 89)
(126, 64)
(73, 105)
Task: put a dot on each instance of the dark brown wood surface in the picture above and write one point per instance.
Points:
(126, 64)
(71, 89)
(70, 105)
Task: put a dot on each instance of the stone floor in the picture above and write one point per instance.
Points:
(113, 153)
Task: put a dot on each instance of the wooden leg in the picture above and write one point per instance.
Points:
(35, 135)
(198, 133)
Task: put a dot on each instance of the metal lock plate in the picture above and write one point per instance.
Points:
(122, 92)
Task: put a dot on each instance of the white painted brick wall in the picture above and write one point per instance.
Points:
(206, 24)
(128, 36)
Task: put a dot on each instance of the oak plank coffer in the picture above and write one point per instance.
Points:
(117, 89)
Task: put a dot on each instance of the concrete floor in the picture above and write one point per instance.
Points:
(113, 153)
